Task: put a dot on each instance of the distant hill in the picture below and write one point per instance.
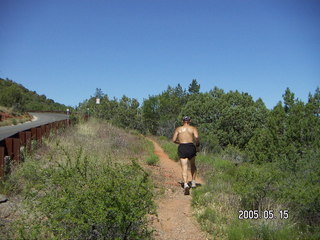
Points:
(20, 99)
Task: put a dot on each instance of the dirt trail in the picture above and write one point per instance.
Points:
(174, 219)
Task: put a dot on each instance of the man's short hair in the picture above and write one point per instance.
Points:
(186, 118)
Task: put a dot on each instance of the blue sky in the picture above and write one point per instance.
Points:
(66, 49)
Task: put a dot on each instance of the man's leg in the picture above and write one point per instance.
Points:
(193, 171)
(184, 167)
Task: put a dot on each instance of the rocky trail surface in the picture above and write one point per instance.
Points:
(174, 220)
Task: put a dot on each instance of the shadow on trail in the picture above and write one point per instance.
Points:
(189, 183)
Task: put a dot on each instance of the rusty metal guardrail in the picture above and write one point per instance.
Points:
(10, 147)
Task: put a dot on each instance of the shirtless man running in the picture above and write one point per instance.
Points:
(185, 136)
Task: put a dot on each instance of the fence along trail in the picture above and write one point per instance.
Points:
(13, 139)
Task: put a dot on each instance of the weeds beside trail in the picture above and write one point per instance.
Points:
(231, 187)
(152, 159)
(169, 147)
(85, 184)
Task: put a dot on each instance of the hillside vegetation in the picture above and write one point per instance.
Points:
(20, 99)
(9, 117)
(86, 183)
(254, 158)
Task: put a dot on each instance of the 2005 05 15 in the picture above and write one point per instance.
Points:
(266, 214)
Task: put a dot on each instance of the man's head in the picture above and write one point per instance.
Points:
(186, 119)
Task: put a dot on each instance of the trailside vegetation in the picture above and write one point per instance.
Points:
(20, 99)
(253, 158)
(87, 183)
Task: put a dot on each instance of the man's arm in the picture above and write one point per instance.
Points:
(175, 137)
(196, 136)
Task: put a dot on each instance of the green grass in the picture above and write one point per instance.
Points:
(169, 147)
(151, 157)
(152, 160)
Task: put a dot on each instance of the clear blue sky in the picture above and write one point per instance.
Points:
(66, 49)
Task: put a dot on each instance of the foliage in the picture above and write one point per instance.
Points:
(291, 131)
(16, 96)
(151, 158)
(230, 188)
(266, 158)
(123, 113)
(194, 87)
(225, 118)
(160, 112)
(256, 184)
(170, 148)
(87, 184)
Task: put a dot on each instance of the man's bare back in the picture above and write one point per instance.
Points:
(185, 134)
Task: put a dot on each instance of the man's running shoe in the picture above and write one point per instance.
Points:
(193, 184)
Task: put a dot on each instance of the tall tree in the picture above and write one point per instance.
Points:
(99, 93)
(288, 98)
(194, 87)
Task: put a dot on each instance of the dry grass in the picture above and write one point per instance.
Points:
(15, 121)
(6, 110)
(12, 117)
(96, 142)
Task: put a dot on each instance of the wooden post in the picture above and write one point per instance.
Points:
(48, 130)
(16, 150)
(39, 135)
(43, 130)
(48, 126)
(28, 140)
(1, 162)
(33, 134)
(55, 127)
(22, 137)
(9, 147)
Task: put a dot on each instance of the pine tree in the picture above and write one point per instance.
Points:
(194, 87)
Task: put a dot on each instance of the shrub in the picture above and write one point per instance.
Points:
(83, 192)
(152, 160)
(82, 201)
(234, 154)
(14, 121)
(256, 183)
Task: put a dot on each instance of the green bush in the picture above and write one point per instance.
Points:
(83, 192)
(79, 200)
(301, 190)
(14, 121)
(209, 142)
(229, 188)
(256, 183)
(152, 160)
(234, 154)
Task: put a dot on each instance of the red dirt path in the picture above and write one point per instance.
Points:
(174, 220)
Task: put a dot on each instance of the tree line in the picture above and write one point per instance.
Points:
(224, 119)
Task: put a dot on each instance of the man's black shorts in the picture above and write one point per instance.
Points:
(187, 150)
